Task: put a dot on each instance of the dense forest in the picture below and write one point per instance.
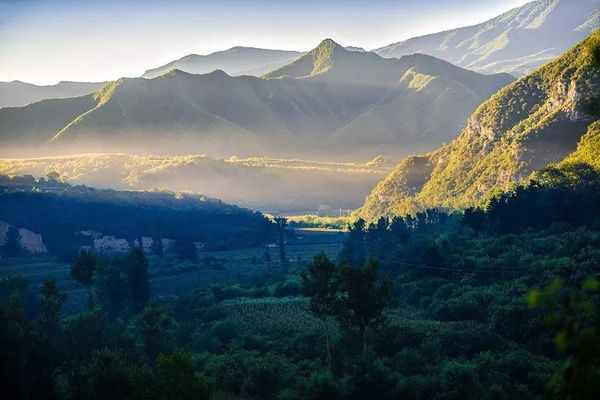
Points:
(60, 212)
(498, 302)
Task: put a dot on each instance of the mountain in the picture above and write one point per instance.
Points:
(516, 42)
(321, 105)
(17, 93)
(535, 121)
(235, 61)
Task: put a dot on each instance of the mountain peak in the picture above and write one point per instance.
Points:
(329, 44)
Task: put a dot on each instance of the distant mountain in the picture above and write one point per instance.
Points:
(515, 42)
(235, 61)
(18, 94)
(330, 102)
(537, 120)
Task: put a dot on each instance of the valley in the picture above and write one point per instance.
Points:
(218, 201)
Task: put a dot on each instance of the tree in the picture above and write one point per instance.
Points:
(281, 225)
(176, 379)
(84, 267)
(573, 311)
(320, 282)
(51, 303)
(137, 279)
(12, 244)
(155, 326)
(354, 252)
(363, 298)
(111, 289)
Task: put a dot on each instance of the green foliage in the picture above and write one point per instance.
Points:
(518, 131)
(137, 278)
(573, 312)
(177, 380)
(84, 267)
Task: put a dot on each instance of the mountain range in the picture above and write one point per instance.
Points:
(17, 93)
(516, 42)
(331, 100)
(235, 62)
(537, 120)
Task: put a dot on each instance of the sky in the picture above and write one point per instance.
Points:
(46, 41)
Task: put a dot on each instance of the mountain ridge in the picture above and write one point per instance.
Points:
(284, 114)
(237, 60)
(516, 41)
(17, 93)
(533, 122)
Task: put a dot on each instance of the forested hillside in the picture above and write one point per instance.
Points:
(535, 121)
(69, 217)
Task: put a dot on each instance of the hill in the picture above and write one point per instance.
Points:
(533, 122)
(18, 94)
(68, 216)
(516, 42)
(315, 107)
(235, 61)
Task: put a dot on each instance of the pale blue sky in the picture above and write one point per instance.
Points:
(44, 41)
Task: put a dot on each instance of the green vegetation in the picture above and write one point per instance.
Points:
(62, 214)
(496, 303)
(525, 126)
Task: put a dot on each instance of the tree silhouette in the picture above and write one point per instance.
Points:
(137, 278)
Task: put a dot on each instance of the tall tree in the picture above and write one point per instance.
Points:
(84, 267)
(281, 226)
(354, 252)
(363, 298)
(137, 279)
(320, 282)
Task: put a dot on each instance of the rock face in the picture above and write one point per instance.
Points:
(106, 244)
(533, 122)
(111, 244)
(31, 242)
